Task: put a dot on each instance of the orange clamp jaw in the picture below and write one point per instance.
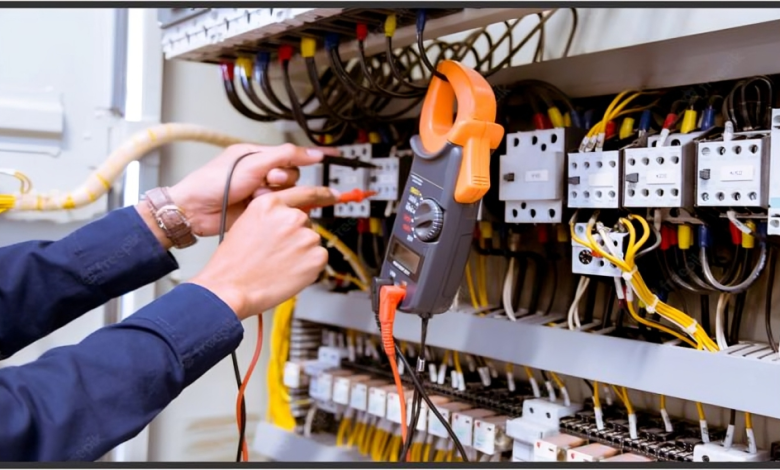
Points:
(474, 128)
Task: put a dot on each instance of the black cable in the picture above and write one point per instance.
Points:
(770, 283)
(416, 398)
(394, 69)
(432, 407)
(606, 318)
(590, 302)
(233, 357)
(230, 91)
(374, 84)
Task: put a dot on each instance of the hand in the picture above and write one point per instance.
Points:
(267, 168)
(270, 254)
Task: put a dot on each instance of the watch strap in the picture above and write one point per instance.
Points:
(170, 218)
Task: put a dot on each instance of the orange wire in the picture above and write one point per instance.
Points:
(245, 382)
(400, 388)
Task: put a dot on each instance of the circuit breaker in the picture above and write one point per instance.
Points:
(661, 177)
(385, 179)
(733, 173)
(346, 179)
(773, 226)
(532, 174)
(585, 262)
(594, 180)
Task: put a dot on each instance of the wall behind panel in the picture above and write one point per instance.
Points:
(200, 424)
(67, 61)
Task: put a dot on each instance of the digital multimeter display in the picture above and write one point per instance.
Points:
(407, 258)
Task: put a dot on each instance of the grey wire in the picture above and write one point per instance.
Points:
(741, 286)
(653, 246)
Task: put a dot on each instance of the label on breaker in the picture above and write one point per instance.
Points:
(434, 425)
(359, 397)
(537, 175)
(601, 179)
(485, 437)
(292, 375)
(341, 390)
(377, 402)
(463, 427)
(422, 421)
(663, 177)
(325, 388)
(737, 173)
(394, 407)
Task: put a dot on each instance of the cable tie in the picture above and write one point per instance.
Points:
(627, 276)
(651, 308)
(692, 328)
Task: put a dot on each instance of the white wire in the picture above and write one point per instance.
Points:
(720, 335)
(309, 420)
(507, 297)
(574, 311)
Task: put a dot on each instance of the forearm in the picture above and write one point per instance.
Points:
(45, 285)
(78, 402)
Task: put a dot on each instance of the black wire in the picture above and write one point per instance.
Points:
(770, 282)
(432, 407)
(425, 59)
(233, 357)
(416, 398)
(606, 317)
(394, 69)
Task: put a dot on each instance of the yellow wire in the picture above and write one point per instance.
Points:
(652, 324)
(470, 285)
(528, 372)
(456, 359)
(344, 427)
(596, 401)
(346, 252)
(748, 421)
(557, 380)
(663, 402)
(439, 456)
(426, 453)
(700, 410)
(482, 281)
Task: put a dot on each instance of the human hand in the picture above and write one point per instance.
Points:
(201, 193)
(270, 254)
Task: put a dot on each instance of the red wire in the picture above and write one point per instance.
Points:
(242, 390)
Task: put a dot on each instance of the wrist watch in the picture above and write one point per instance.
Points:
(170, 218)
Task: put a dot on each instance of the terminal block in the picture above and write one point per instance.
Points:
(660, 177)
(733, 173)
(594, 180)
(773, 226)
(532, 174)
(585, 262)
(346, 179)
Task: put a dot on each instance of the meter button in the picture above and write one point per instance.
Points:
(428, 221)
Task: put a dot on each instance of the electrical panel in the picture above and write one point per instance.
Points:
(733, 173)
(594, 180)
(660, 177)
(532, 174)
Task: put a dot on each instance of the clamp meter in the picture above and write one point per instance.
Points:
(431, 238)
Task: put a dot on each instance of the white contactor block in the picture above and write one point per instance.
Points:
(532, 175)
(463, 424)
(583, 260)
(346, 179)
(773, 224)
(490, 435)
(554, 448)
(733, 173)
(594, 180)
(385, 179)
(312, 175)
(660, 176)
(591, 453)
(358, 398)
(435, 427)
(342, 387)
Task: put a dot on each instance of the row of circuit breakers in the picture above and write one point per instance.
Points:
(542, 172)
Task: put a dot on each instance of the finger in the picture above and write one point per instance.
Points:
(301, 197)
(289, 155)
(283, 177)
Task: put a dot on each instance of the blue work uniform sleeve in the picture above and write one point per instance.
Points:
(45, 285)
(78, 402)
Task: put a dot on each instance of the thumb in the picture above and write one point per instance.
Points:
(301, 197)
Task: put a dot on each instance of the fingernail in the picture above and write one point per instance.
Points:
(314, 153)
(336, 193)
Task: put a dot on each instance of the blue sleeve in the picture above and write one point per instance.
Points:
(78, 402)
(45, 285)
